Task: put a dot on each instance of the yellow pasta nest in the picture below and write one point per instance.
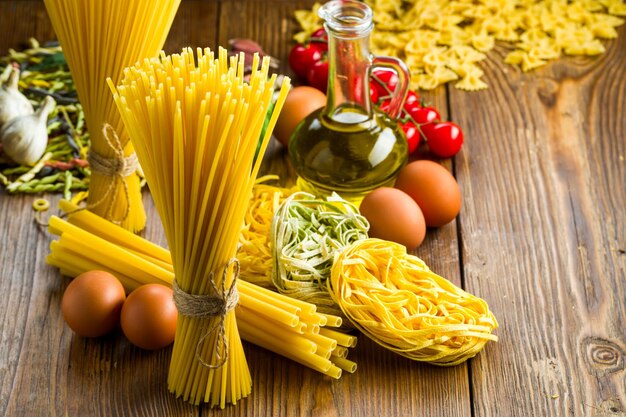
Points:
(397, 301)
(254, 254)
(442, 40)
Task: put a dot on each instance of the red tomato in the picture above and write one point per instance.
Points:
(422, 115)
(373, 94)
(319, 38)
(385, 81)
(384, 105)
(445, 139)
(302, 57)
(412, 135)
(412, 99)
(318, 75)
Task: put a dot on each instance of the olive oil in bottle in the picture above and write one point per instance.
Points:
(348, 153)
(350, 147)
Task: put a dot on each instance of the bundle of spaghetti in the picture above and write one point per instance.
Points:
(398, 302)
(289, 327)
(195, 124)
(99, 39)
(254, 252)
(306, 233)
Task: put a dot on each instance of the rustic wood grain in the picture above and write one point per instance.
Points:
(543, 233)
(22, 20)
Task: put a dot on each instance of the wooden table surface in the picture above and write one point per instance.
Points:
(541, 236)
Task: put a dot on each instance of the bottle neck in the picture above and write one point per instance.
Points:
(349, 60)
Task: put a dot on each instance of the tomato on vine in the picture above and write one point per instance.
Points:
(317, 76)
(445, 139)
(424, 117)
(302, 57)
(412, 99)
(319, 38)
(412, 134)
(385, 82)
(373, 94)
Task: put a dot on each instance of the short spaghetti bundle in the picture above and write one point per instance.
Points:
(195, 124)
(398, 302)
(100, 39)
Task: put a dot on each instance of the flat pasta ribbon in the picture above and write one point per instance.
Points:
(396, 300)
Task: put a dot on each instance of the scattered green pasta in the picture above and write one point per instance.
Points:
(44, 71)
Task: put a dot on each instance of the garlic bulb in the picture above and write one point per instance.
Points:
(25, 138)
(13, 103)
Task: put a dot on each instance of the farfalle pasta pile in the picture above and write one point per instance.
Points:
(442, 41)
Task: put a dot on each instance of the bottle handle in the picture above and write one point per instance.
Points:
(399, 94)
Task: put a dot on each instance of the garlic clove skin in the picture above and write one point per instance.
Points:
(25, 138)
(13, 103)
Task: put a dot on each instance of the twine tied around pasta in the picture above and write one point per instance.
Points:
(118, 168)
(216, 304)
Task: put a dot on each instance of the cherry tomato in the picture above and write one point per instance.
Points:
(412, 135)
(445, 139)
(373, 94)
(318, 75)
(385, 81)
(319, 38)
(302, 57)
(422, 115)
(384, 105)
(411, 99)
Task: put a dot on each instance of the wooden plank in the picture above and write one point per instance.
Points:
(543, 233)
(47, 369)
(196, 26)
(21, 20)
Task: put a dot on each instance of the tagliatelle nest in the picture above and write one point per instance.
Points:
(307, 232)
(397, 301)
(254, 253)
(442, 41)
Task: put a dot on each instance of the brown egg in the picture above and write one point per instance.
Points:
(149, 316)
(92, 303)
(300, 102)
(394, 216)
(433, 188)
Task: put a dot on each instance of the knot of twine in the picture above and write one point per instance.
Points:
(216, 304)
(118, 168)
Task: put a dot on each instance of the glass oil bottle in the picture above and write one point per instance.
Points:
(350, 146)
